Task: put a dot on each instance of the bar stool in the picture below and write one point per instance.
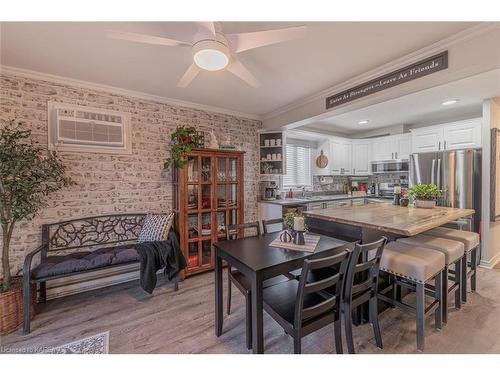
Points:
(471, 241)
(413, 267)
(454, 253)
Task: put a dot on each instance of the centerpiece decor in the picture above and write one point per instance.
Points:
(28, 174)
(183, 140)
(425, 195)
(294, 228)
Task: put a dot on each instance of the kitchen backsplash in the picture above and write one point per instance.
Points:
(336, 183)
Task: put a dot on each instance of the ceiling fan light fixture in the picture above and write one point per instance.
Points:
(210, 55)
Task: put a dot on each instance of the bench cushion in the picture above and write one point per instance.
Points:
(452, 250)
(469, 239)
(412, 262)
(85, 260)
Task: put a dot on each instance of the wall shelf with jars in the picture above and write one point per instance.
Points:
(272, 153)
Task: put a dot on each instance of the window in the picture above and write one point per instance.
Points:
(298, 166)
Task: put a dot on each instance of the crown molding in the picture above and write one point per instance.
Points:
(408, 59)
(32, 74)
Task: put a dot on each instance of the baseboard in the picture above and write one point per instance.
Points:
(92, 280)
(489, 264)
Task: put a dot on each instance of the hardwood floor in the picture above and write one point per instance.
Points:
(182, 322)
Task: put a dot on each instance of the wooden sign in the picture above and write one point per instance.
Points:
(419, 69)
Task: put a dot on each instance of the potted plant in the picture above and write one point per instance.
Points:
(28, 174)
(182, 142)
(425, 195)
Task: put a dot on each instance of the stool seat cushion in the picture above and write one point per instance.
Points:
(412, 262)
(469, 239)
(452, 250)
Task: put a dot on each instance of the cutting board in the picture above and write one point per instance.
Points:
(321, 160)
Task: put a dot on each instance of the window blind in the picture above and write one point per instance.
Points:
(298, 166)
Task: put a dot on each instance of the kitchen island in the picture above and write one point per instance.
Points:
(371, 220)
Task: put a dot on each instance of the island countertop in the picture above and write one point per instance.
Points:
(402, 221)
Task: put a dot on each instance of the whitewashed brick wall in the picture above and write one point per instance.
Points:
(109, 183)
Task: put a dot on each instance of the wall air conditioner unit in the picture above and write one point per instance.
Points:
(84, 129)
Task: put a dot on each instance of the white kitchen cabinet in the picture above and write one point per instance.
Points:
(361, 157)
(341, 157)
(463, 134)
(426, 139)
(402, 146)
(391, 147)
(450, 136)
(382, 149)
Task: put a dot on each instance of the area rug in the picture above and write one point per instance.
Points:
(97, 344)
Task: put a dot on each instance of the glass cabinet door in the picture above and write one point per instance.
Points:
(192, 169)
(206, 169)
(192, 197)
(233, 169)
(221, 169)
(193, 256)
(206, 252)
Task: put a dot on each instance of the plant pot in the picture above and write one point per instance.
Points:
(425, 203)
(11, 306)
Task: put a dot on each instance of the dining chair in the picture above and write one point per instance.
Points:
(361, 286)
(267, 223)
(240, 280)
(301, 307)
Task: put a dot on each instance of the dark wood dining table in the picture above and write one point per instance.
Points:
(258, 261)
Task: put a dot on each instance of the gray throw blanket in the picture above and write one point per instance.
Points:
(156, 255)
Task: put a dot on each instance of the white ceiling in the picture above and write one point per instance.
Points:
(423, 107)
(330, 54)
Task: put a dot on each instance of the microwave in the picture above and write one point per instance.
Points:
(390, 166)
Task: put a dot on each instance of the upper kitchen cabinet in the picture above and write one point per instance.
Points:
(391, 147)
(450, 136)
(340, 156)
(463, 134)
(361, 157)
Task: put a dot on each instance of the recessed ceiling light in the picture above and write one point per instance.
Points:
(449, 102)
(363, 122)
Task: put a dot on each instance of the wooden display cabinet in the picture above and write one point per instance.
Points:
(207, 194)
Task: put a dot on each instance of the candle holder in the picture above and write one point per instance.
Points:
(299, 238)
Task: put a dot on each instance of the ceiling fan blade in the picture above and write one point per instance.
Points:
(190, 74)
(239, 70)
(245, 41)
(206, 30)
(143, 38)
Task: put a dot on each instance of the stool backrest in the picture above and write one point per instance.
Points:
(362, 273)
(332, 281)
(233, 230)
(265, 223)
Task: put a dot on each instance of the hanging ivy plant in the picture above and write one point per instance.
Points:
(183, 141)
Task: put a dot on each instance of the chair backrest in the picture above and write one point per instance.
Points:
(265, 223)
(233, 230)
(362, 273)
(333, 280)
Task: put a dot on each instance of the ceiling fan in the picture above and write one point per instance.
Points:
(213, 50)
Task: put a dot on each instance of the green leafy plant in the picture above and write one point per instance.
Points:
(183, 141)
(425, 192)
(28, 174)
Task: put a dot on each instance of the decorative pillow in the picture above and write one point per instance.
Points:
(155, 227)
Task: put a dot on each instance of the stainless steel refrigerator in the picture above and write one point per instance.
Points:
(457, 173)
